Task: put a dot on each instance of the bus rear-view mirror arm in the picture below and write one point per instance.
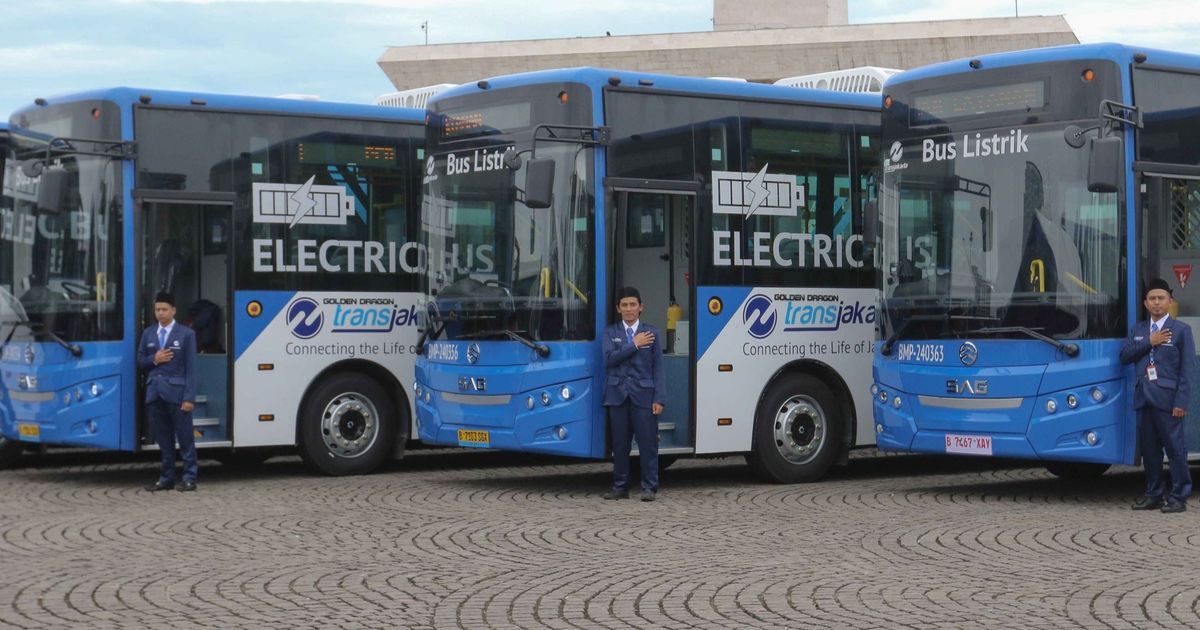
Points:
(1106, 151)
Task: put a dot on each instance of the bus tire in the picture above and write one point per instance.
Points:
(348, 425)
(10, 452)
(1076, 470)
(797, 431)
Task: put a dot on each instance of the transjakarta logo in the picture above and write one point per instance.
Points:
(809, 312)
(759, 316)
(301, 204)
(430, 170)
(979, 145)
(304, 318)
(895, 154)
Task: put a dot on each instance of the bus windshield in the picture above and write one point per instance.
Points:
(993, 231)
(496, 267)
(60, 264)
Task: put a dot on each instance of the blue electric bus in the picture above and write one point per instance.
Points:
(9, 449)
(735, 208)
(283, 227)
(1027, 198)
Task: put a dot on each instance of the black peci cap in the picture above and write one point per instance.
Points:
(1157, 283)
(166, 298)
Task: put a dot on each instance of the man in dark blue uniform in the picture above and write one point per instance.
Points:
(634, 392)
(167, 352)
(1162, 350)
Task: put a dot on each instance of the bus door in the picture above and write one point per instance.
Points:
(1169, 246)
(185, 251)
(652, 248)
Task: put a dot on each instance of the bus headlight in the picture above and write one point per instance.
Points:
(1072, 401)
(1097, 395)
(874, 389)
(95, 390)
(1092, 438)
(565, 393)
(883, 396)
(896, 401)
(529, 402)
(545, 398)
(1051, 406)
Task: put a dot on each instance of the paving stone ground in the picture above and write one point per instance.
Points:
(449, 539)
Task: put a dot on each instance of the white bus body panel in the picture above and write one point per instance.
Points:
(324, 328)
(768, 329)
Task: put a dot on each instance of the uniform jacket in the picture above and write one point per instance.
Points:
(638, 375)
(175, 380)
(1173, 361)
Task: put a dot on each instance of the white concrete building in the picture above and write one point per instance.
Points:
(759, 40)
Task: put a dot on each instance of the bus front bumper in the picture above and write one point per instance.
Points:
(555, 420)
(1091, 431)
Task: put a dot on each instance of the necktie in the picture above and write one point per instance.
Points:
(162, 338)
(1153, 329)
(629, 335)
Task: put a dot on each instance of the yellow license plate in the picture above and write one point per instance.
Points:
(477, 439)
(29, 430)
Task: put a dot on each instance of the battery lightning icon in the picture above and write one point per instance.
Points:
(759, 193)
(298, 204)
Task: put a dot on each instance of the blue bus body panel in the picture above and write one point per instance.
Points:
(1118, 53)
(1004, 396)
(513, 376)
(69, 400)
(127, 97)
(598, 78)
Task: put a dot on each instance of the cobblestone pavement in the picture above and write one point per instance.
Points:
(448, 539)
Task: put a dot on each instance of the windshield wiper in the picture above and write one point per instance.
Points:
(1069, 349)
(541, 349)
(38, 329)
(886, 348)
(428, 335)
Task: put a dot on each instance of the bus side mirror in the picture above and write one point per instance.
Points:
(52, 188)
(539, 182)
(1104, 165)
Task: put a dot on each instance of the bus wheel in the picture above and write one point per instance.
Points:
(348, 425)
(796, 431)
(10, 452)
(1076, 470)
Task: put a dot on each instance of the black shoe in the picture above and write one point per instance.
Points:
(615, 494)
(1174, 507)
(187, 486)
(158, 485)
(648, 495)
(1147, 503)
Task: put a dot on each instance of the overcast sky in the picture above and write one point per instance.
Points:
(329, 47)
